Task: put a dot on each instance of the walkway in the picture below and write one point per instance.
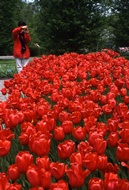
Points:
(2, 97)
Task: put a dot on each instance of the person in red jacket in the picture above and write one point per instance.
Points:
(21, 38)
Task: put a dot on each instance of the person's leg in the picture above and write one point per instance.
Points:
(19, 64)
(25, 62)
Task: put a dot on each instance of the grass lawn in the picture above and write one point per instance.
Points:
(7, 68)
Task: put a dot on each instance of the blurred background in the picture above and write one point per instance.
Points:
(60, 26)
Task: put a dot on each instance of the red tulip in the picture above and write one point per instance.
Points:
(6, 134)
(84, 147)
(4, 147)
(36, 188)
(23, 160)
(76, 175)
(43, 162)
(67, 126)
(103, 99)
(92, 136)
(113, 125)
(110, 181)
(122, 152)
(112, 103)
(101, 129)
(100, 145)
(90, 123)
(107, 109)
(4, 183)
(123, 184)
(40, 144)
(45, 179)
(102, 162)
(63, 116)
(67, 92)
(112, 139)
(123, 91)
(90, 161)
(76, 117)
(79, 133)
(13, 120)
(65, 149)
(60, 185)
(112, 168)
(57, 169)
(124, 134)
(41, 126)
(15, 186)
(33, 175)
(13, 172)
(96, 184)
(59, 133)
(126, 99)
(50, 124)
(4, 91)
(42, 110)
(76, 158)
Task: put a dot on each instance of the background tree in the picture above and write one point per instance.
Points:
(120, 23)
(8, 12)
(70, 25)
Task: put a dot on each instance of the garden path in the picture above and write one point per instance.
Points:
(2, 97)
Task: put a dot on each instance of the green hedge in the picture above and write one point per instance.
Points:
(35, 51)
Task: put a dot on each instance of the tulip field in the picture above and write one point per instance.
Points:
(65, 124)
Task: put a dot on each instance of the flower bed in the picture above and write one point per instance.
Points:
(65, 124)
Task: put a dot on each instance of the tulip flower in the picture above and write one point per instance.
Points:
(4, 183)
(112, 125)
(23, 160)
(4, 91)
(110, 181)
(57, 169)
(76, 158)
(122, 152)
(45, 179)
(67, 126)
(60, 185)
(90, 161)
(13, 172)
(112, 139)
(65, 149)
(95, 184)
(4, 147)
(39, 144)
(79, 133)
(84, 147)
(15, 186)
(63, 116)
(43, 162)
(76, 175)
(99, 145)
(6, 134)
(33, 175)
(76, 117)
(102, 162)
(59, 133)
(124, 134)
(36, 188)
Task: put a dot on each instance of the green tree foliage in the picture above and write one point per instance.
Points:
(120, 23)
(70, 25)
(8, 12)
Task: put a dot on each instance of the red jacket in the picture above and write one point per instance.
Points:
(17, 44)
